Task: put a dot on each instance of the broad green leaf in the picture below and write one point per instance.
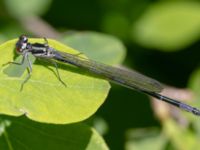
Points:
(168, 26)
(97, 46)
(22, 134)
(44, 98)
(21, 8)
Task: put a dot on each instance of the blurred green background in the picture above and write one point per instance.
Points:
(162, 41)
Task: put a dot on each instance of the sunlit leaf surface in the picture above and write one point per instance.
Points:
(44, 98)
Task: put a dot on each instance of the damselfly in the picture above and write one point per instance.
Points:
(126, 78)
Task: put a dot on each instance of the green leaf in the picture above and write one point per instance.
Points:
(177, 135)
(168, 26)
(194, 84)
(21, 8)
(116, 23)
(22, 134)
(11, 30)
(148, 138)
(2, 38)
(97, 46)
(44, 98)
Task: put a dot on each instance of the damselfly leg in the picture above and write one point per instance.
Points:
(29, 67)
(58, 74)
(16, 63)
(46, 43)
(53, 62)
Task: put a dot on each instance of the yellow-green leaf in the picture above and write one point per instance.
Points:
(44, 98)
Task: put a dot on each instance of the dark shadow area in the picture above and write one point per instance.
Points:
(125, 109)
(172, 68)
(43, 136)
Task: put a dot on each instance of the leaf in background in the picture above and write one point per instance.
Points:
(116, 23)
(2, 38)
(100, 125)
(22, 134)
(44, 98)
(169, 26)
(11, 30)
(20, 8)
(97, 46)
(149, 138)
(194, 85)
(177, 135)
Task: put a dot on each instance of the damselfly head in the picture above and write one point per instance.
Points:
(23, 38)
(21, 43)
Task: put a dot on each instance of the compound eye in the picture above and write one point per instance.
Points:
(19, 46)
(23, 38)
